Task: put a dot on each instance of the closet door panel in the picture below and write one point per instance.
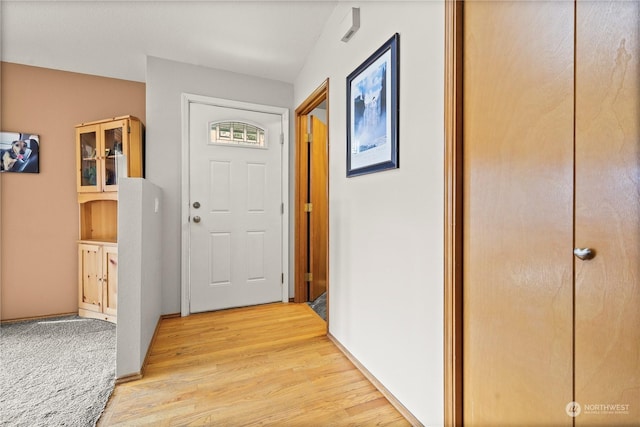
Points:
(518, 212)
(607, 295)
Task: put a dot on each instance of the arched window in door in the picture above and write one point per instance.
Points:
(237, 133)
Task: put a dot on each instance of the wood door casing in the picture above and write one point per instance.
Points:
(518, 221)
(318, 99)
(453, 204)
(607, 216)
(319, 216)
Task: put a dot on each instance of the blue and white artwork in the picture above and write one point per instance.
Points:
(19, 152)
(372, 112)
(371, 124)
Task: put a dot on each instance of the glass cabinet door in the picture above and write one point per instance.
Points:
(88, 159)
(102, 155)
(113, 137)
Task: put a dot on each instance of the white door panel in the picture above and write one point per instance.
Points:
(236, 248)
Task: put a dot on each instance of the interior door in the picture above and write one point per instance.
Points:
(607, 296)
(235, 253)
(319, 216)
(518, 219)
(552, 163)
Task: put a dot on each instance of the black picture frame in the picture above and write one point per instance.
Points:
(373, 113)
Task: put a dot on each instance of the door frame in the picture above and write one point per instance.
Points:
(187, 99)
(453, 208)
(301, 180)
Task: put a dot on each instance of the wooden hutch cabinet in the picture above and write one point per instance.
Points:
(105, 151)
(100, 149)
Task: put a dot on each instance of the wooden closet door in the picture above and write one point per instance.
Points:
(607, 298)
(518, 212)
(319, 217)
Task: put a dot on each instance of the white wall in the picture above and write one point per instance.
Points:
(166, 81)
(139, 250)
(386, 229)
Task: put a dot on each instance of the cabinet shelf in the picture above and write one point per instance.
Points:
(93, 159)
(99, 220)
(99, 242)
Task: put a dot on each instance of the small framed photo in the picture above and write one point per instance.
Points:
(372, 112)
(19, 152)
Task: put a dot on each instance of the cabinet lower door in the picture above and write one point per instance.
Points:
(90, 277)
(110, 280)
(98, 281)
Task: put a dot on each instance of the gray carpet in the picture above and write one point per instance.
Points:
(320, 305)
(56, 372)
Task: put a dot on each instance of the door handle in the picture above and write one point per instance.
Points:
(584, 254)
(196, 205)
(196, 219)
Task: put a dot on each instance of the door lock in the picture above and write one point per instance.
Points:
(196, 205)
(196, 219)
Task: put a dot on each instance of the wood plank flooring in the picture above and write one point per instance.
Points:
(264, 365)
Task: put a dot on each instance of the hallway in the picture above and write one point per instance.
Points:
(263, 365)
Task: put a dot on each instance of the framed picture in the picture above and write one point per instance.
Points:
(372, 112)
(19, 152)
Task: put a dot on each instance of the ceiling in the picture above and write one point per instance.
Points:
(269, 39)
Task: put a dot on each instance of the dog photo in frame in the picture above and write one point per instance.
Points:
(19, 152)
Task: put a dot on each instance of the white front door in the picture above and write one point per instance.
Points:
(235, 207)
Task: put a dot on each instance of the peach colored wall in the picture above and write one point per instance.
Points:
(39, 212)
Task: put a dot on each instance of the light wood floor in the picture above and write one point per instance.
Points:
(265, 365)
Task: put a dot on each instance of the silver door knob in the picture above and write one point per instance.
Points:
(196, 205)
(196, 219)
(584, 253)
